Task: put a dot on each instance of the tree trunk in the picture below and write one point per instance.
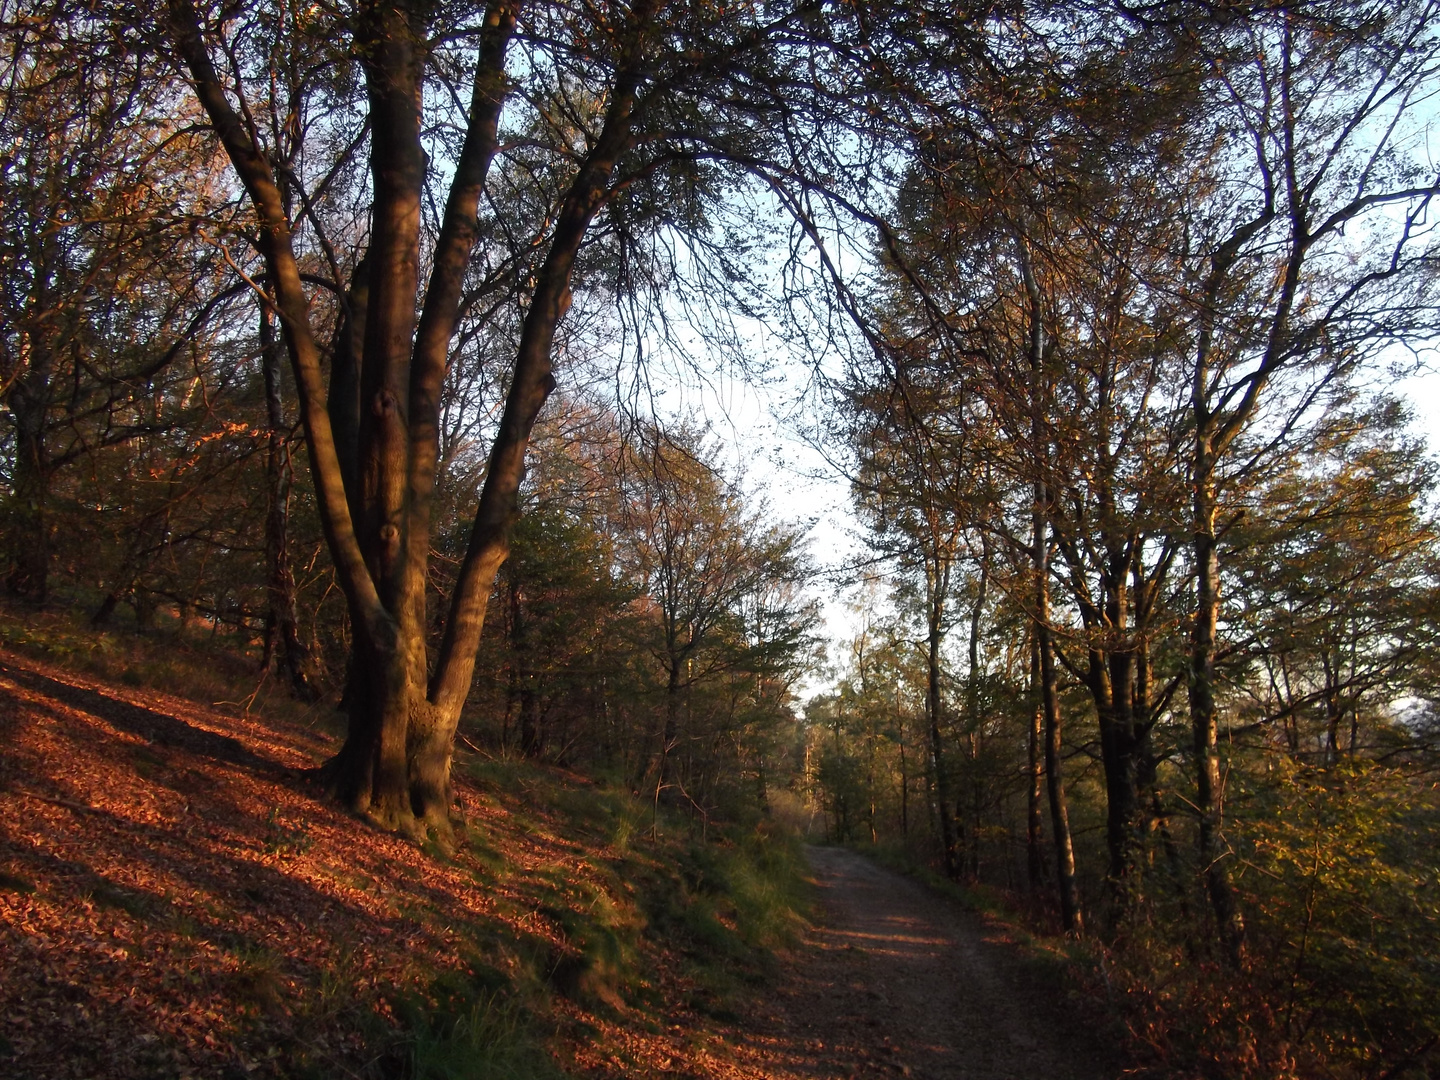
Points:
(375, 507)
(532, 734)
(935, 611)
(28, 576)
(1034, 776)
(281, 625)
(670, 729)
(972, 714)
(1334, 711)
(1049, 705)
(1204, 727)
(1121, 752)
(904, 772)
(106, 610)
(1070, 916)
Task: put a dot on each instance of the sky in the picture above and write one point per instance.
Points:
(1424, 393)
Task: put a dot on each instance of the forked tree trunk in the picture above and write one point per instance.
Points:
(375, 506)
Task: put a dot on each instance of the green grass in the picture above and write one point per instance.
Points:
(473, 1024)
(628, 888)
(619, 896)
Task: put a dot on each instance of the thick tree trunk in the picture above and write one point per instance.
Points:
(1120, 752)
(395, 764)
(373, 771)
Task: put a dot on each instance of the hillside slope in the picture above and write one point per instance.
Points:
(175, 902)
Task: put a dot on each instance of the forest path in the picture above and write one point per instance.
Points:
(900, 982)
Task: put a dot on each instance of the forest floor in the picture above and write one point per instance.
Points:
(174, 902)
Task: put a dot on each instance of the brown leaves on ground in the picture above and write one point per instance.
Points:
(175, 902)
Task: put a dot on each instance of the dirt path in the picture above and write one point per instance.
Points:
(899, 982)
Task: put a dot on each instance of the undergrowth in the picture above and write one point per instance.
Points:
(1335, 872)
(191, 662)
(645, 910)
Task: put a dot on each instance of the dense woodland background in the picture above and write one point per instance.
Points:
(1096, 307)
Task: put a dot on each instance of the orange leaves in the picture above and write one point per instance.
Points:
(173, 902)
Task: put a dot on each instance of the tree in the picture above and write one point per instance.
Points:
(109, 297)
(914, 464)
(281, 621)
(1332, 588)
(1307, 258)
(626, 103)
(1026, 291)
(723, 584)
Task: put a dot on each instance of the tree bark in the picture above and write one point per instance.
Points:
(904, 770)
(1034, 776)
(670, 729)
(935, 611)
(28, 576)
(1204, 727)
(532, 380)
(1049, 704)
(972, 714)
(281, 625)
(1123, 750)
(1070, 916)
